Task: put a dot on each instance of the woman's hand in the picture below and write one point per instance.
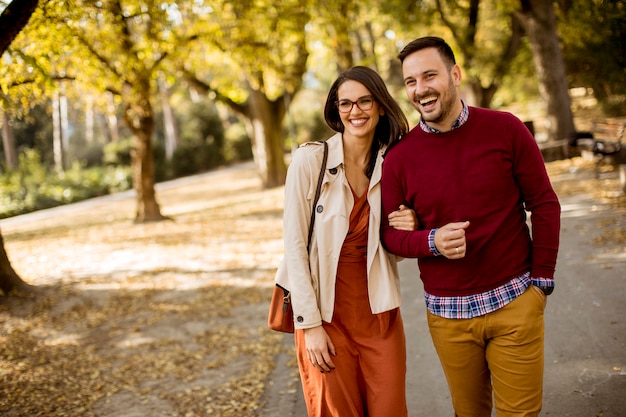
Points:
(403, 219)
(319, 348)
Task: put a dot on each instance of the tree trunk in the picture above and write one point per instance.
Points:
(12, 20)
(263, 119)
(65, 127)
(140, 120)
(266, 119)
(8, 142)
(10, 282)
(540, 25)
(339, 32)
(60, 125)
(89, 120)
(169, 121)
(483, 87)
(57, 133)
(114, 131)
(143, 179)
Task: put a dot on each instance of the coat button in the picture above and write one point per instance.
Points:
(300, 319)
(333, 171)
(320, 208)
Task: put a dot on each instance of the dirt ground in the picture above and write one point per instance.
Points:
(158, 319)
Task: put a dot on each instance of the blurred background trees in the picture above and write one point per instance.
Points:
(101, 96)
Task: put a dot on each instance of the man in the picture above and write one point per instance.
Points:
(471, 174)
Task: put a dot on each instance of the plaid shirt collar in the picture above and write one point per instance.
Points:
(460, 121)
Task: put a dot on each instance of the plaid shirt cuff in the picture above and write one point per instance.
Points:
(542, 282)
(431, 243)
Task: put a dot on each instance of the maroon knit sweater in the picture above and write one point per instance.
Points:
(488, 171)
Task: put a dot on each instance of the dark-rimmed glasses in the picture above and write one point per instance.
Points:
(364, 103)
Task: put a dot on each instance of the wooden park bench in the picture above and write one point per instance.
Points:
(552, 150)
(602, 142)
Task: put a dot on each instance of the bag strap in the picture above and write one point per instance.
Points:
(317, 194)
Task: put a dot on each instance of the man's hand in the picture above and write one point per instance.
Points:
(450, 240)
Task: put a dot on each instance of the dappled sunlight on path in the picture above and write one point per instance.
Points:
(225, 228)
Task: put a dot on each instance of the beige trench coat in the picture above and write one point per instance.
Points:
(311, 279)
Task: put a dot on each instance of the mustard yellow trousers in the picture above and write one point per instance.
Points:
(498, 355)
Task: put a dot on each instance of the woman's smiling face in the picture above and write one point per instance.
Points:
(358, 122)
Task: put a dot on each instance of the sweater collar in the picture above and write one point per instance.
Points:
(460, 121)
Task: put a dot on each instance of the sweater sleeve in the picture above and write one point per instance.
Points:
(540, 200)
(407, 244)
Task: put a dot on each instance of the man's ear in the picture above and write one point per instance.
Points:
(455, 72)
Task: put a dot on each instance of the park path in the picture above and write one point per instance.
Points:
(227, 231)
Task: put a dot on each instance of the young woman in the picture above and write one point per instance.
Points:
(345, 292)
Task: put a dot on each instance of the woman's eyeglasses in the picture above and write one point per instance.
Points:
(364, 103)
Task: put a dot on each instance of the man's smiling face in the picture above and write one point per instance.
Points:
(432, 87)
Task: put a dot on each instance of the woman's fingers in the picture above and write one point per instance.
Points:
(319, 349)
(403, 219)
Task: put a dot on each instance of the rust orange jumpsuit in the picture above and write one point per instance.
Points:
(370, 375)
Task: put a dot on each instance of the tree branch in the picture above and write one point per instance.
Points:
(206, 89)
(13, 19)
